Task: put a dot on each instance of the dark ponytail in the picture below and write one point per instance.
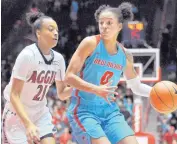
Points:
(32, 17)
(35, 19)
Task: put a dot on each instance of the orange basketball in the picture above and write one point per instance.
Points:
(163, 97)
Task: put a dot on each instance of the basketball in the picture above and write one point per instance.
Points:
(163, 97)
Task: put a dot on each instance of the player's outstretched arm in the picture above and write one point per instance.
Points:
(83, 51)
(133, 81)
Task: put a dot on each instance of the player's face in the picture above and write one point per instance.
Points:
(108, 25)
(48, 33)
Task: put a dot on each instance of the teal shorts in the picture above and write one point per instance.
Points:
(94, 120)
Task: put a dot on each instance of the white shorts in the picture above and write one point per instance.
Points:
(13, 131)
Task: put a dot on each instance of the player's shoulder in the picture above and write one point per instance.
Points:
(88, 44)
(28, 51)
(92, 39)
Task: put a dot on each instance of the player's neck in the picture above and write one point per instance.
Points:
(45, 50)
(111, 46)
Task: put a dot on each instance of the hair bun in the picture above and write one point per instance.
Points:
(126, 11)
(32, 17)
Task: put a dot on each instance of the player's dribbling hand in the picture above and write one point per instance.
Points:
(107, 91)
(32, 133)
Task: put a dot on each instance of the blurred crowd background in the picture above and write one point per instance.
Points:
(75, 19)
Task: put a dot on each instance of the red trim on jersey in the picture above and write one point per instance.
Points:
(123, 48)
(75, 112)
(98, 38)
(78, 103)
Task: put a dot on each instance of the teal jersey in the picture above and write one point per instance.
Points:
(100, 68)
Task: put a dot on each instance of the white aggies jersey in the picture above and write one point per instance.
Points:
(38, 77)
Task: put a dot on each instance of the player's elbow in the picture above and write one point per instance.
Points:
(68, 79)
(61, 97)
(14, 96)
(134, 89)
(65, 95)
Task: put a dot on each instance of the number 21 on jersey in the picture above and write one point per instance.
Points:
(106, 77)
(42, 90)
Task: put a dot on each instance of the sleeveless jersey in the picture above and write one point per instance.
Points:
(100, 68)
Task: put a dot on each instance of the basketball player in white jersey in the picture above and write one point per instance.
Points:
(26, 119)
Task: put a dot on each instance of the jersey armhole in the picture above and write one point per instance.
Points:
(98, 38)
(122, 47)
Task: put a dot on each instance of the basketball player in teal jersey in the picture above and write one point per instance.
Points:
(94, 72)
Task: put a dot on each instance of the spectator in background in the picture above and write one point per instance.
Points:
(128, 105)
(128, 101)
(74, 10)
(170, 137)
(3, 84)
(7, 70)
(173, 120)
(164, 126)
(65, 137)
(166, 37)
(65, 5)
(126, 114)
(129, 94)
(172, 71)
(90, 30)
(34, 8)
(74, 30)
(17, 26)
(50, 6)
(57, 6)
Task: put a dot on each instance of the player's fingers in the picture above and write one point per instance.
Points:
(109, 83)
(112, 87)
(106, 98)
(30, 136)
(35, 139)
(112, 92)
(29, 139)
(116, 93)
(112, 98)
(36, 135)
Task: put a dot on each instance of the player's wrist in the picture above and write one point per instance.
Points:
(95, 89)
(27, 123)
